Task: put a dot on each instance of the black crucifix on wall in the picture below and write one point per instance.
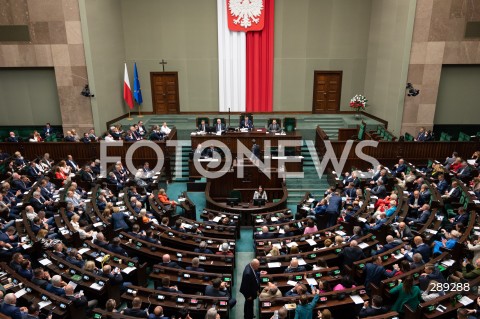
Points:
(163, 64)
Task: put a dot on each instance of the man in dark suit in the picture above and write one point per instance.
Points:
(351, 254)
(442, 185)
(10, 309)
(135, 311)
(79, 300)
(375, 309)
(55, 287)
(399, 168)
(425, 193)
(414, 203)
(33, 171)
(219, 126)
(255, 151)
(246, 123)
(87, 174)
(156, 134)
(12, 138)
(424, 212)
(115, 247)
(203, 127)
(375, 272)
(218, 289)
(274, 127)
(460, 218)
(421, 248)
(167, 262)
(380, 191)
(389, 245)
(350, 190)
(72, 164)
(195, 265)
(294, 267)
(463, 173)
(166, 286)
(209, 152)
(41, 277)
(47, 131)
(265, 234)
(250, 287)
(403, 232)
(452, 196)
(141, 130)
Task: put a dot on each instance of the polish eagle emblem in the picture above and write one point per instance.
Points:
(246, 13)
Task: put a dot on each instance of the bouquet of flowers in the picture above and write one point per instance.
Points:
(358, 102)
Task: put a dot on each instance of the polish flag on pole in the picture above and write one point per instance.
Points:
(127, 91)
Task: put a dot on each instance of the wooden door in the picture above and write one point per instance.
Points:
(327, 88)
(165, 92)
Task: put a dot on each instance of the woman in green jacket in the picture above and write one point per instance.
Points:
(408, 294)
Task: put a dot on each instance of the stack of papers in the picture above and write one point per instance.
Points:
(43, 304)
(312, 281)
(96, 286)
(363, 245)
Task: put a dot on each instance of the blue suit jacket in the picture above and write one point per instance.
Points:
(249, 124)
(442, 187)
(11, 311)
(118, 220)
(334, 204)
(423, 250)
(374, 274)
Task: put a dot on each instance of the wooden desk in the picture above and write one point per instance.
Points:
(231, 139)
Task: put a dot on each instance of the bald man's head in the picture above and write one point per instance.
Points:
(255, 264)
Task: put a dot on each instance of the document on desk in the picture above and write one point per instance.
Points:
(312, 281)
(96, 286)
(301, 262)
(83, 250)
(71, 283)
(128, 270)
(311, 242)
(45, 261)
(274, 265)
(465, 301)
(43, 304)
(363, 245)
(357, 299)
(20, 293)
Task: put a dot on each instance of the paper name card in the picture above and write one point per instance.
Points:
(274, 265)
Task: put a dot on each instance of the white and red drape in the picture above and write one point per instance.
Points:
(245, 62)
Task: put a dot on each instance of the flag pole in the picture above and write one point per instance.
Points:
(129, 115)
(139, 112)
